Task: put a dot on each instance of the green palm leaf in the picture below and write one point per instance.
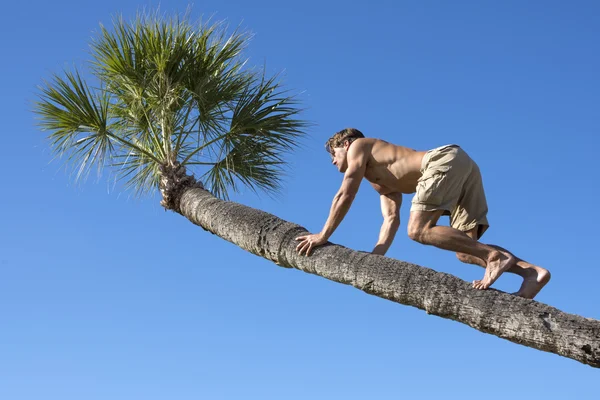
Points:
(77, 119)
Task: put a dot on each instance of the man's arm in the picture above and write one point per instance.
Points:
(357, 164)
(390, 208)
(344, 197)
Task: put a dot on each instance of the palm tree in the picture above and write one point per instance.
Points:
(171, 97)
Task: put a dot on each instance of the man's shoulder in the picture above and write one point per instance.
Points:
(367, 147)
(365, 143)
(359, 143)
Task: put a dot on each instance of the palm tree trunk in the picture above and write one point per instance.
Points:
(519, 320)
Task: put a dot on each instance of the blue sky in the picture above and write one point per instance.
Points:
(105, 296)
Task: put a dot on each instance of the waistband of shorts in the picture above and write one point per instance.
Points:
(431, 152)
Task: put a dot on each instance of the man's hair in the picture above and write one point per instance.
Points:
(345, 135)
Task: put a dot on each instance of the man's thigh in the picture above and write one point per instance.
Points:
(420, 220)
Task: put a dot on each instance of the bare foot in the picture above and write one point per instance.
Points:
(497, 264)
(534, 283)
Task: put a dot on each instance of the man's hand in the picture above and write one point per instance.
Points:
(308, 242)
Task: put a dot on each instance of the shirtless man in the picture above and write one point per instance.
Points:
(445, 181)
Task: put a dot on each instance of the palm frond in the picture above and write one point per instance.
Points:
(77, 118)
(255, 163)
(141, 173)
(144, 63)
(215, 79)
(252, 152)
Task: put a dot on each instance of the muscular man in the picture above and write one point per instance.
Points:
(445, 180)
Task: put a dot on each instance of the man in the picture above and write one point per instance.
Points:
(445, 180)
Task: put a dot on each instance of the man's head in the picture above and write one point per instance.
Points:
(338, 145)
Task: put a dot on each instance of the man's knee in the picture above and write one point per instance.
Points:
(420, 223)
(417, 232)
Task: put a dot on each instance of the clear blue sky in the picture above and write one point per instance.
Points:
(104, 296)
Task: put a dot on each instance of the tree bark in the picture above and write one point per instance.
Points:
(519, 320)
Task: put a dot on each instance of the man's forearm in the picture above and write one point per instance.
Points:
(339, 207)
(386, 236)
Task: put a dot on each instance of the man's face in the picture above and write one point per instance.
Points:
(339, 158)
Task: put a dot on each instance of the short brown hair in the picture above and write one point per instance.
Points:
(345, 135)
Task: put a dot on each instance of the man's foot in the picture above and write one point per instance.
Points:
(496, 266)
(534, 283)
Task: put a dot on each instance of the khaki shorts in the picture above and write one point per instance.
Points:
(451, 181)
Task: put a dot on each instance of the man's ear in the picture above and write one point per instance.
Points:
(346, 145)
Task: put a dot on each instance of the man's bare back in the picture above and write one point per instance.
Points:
(391, 168)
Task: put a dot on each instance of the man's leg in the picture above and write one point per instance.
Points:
(534, 277)
(423, 228)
